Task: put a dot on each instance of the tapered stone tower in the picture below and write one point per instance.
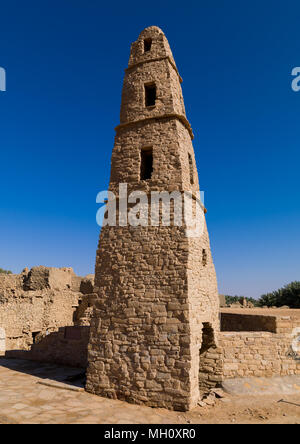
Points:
(156, 287)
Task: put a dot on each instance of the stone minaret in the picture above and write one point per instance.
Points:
(157, 300)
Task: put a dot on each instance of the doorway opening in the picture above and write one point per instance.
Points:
(210, 360)
(208, 338)
(35, 337)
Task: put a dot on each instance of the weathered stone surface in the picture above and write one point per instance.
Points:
(38, 302)
(39, 278)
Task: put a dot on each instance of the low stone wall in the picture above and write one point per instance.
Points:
(67, 346)
(2, 342)
(243, 322)
(260, 353)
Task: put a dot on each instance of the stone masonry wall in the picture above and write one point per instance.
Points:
(261, 353)
(211, 368)
(66, 346)
(139, 348)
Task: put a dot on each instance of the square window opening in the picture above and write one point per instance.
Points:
(191, 170)
(150, 95)
(146, 164)
(147, 45)
(204, 258)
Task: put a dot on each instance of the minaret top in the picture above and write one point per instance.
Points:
(151, 87)
(151, 44)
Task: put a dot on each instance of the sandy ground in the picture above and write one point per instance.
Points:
(250, 410)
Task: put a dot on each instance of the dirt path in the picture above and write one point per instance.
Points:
(250, 410)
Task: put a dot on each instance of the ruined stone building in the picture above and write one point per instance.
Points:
(157, 298)
(40, 310)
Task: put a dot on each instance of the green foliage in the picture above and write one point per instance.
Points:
(231, 299)
(235, 299)
(288, 295)
(5, 271)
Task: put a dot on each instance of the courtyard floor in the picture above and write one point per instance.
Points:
(37, 393)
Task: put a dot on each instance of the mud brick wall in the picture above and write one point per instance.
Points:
(243, 322)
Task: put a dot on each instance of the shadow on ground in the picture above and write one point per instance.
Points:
(67, 375)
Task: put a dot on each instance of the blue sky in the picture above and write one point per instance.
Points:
(65, 62)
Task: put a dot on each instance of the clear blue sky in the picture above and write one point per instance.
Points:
(65, 60)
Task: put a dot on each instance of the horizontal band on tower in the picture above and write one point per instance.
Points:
(156, 60)
(180, 117)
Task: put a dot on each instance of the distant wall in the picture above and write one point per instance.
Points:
(23, 318)
(222, 300)
(2, 341)
(243, 322)
(67, 346)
